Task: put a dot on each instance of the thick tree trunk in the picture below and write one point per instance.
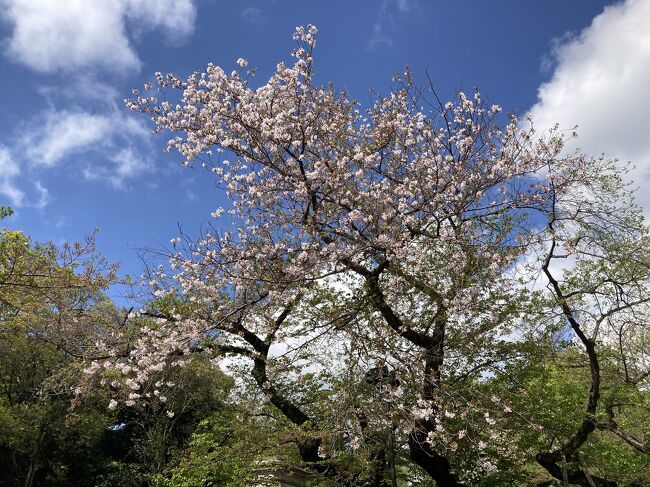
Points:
(420, 451)
(436, 465)
(575, 477)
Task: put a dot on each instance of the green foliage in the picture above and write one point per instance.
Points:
(5, 212)
(51, 311)
(211, 430)
(547, 396)
(221, 452)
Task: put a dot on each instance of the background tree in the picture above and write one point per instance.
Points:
(55, 430)
(45, 294)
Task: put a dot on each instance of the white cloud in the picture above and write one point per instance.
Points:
(54, 35)
(600, 82)
(10, 173)
(9, 170)
(127, 163)
(63, 133)
(43, 195)
(117, 142)
(175, 17)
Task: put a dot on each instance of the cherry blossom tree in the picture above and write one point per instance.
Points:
(390, 236)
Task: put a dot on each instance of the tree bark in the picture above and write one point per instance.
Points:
(575, 477)
(420, 451)
(568, 451)
(436, 465)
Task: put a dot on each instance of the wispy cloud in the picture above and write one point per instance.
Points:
(384, 23)
(54, 35)
(61, 222)
(83, 88)
(600, 82)
(126, 164)
(379, 37)
(43, 195)
(63, 133)
(84, 128)
(9, 170)
(252, 14)
(118, 146)
(11, 189)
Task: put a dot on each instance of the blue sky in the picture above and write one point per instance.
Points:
(73, 159)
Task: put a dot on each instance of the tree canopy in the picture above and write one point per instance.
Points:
(412, 237)
(414, 293)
